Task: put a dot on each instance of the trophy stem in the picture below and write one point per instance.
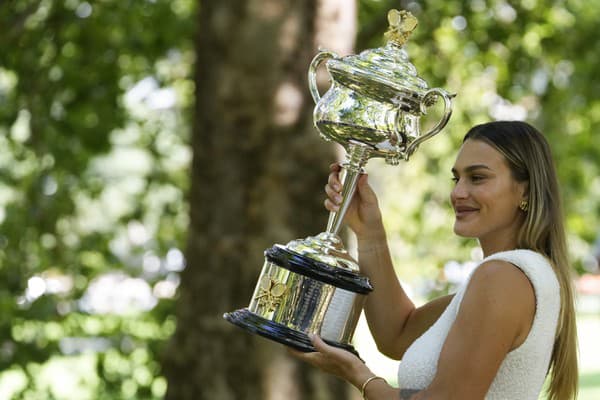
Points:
(356, 156)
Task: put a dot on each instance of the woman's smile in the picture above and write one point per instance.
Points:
(464, 211)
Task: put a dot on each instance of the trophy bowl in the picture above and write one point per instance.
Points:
(373, 108)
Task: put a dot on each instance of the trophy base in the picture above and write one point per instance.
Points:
(277, 332)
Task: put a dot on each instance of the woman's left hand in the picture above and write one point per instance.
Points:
(335, 361)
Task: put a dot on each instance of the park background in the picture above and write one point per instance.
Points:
(150, 150)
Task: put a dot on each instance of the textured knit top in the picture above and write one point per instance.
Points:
(522, 372)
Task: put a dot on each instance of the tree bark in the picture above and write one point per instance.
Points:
(257, 178)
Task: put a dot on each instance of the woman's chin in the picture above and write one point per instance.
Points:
(463, 231)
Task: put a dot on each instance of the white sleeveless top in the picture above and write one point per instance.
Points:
(522, 373)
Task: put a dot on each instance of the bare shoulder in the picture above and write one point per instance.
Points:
(500, 293)
(498, 276)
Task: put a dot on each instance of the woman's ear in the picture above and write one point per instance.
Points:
(524, 189)
(524, 192)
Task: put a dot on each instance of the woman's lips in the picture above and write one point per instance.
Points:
(462, 212)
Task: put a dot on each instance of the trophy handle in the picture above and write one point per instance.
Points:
(428, 100)
(323, 55)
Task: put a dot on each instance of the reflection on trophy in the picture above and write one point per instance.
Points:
(373, 109)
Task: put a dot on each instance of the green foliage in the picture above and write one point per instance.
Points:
(94, 122)
(94, 126)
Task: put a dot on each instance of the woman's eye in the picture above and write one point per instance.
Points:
(476, 178)
(454, 179)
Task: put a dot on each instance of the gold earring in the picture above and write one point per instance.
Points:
(524, 206)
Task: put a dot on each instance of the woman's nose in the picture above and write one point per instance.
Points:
(459, 191)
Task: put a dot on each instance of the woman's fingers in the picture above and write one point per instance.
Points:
(311, 357)
(333, 195)
(333, 360)
(319, 344)
(295, 353)
(329, 350)
(333, 189)
(330, 206)
(366, 192)
(334, 181)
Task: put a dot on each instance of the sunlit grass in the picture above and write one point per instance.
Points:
(589, 386)
(588, 327)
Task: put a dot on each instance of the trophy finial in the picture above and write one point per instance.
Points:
(402, 23)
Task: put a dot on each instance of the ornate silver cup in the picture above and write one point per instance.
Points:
(373, 109)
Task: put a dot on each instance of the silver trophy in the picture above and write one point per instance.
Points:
(373, 109)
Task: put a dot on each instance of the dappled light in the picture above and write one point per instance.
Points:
(288, 101)
(100, 136)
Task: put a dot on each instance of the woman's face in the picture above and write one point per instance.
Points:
(486, 197)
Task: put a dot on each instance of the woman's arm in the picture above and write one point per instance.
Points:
(392, 317)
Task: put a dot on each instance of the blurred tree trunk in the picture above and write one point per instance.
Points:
(257, 179)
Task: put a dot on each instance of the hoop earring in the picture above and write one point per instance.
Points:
(524, 206)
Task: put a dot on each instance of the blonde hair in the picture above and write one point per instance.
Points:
(530, 160)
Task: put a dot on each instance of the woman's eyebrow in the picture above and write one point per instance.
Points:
(472, 168)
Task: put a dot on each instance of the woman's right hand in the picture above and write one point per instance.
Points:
(363, 215)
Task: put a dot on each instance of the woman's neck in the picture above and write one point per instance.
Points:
(497, 245)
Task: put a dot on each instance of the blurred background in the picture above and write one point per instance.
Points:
(150, 150)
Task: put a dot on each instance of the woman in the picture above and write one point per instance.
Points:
(512, 322)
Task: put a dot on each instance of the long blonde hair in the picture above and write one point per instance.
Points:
(530, 160)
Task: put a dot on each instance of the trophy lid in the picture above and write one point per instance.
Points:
(388, 67)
